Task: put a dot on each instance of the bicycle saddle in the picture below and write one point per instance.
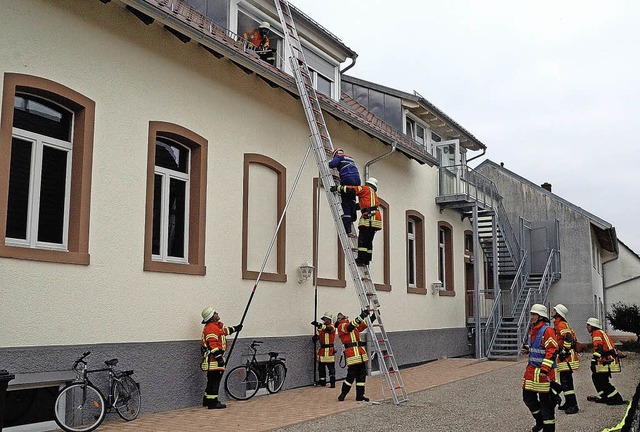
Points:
(273, 354)
(111, 362)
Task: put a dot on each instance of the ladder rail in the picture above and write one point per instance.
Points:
(322, 147)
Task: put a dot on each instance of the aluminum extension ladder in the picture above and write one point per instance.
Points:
(323, 148)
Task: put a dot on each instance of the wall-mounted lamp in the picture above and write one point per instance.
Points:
(436, 287)
(304, 272)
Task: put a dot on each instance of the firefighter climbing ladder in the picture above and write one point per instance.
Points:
(322, 147)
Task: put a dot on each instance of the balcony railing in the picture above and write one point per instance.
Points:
(465, 183)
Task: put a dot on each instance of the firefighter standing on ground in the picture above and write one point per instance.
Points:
(355, 353)
(604, 362)
(568, 360)
(214, 344)
(540, 371)
(349, 176)
(326, 335)
(370, 216)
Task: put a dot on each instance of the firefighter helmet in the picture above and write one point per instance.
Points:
(264, 25)
(207, 314)
(594, 322)
(337, 151)
(327, 315)
(561, 310)
(539, 309)
(373, 182)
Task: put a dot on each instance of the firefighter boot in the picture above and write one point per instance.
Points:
(539, 425)
(344, 391)
(360, 394)
(217, 405)
(321, 382)
(615, 400)
(332, 380)
(571, 405)
(204, 401)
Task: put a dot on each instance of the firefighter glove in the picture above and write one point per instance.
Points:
(333, 188)
(237, 327)
(220, 361)
(373, 317)
(316, 323)
(314, 338)
(364, 313)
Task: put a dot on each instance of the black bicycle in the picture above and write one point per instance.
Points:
(81, 407)
(243, 382)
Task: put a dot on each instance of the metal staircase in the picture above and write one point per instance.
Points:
(322, 148)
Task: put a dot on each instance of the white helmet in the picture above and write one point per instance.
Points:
(337, 151)
(264, 24)
(561, 310)
(327, 315)
(373, 182)
(539, 309)
(207, 314)
(594, 322)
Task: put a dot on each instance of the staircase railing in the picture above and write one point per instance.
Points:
(509, 236)
(539, 295)
(496, 314)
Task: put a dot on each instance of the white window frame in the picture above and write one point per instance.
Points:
(39, 142)
(413, 133)
(442, 252)
(167, 175)
(412, 263)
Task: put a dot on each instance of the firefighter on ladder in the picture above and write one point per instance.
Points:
(349, 176)
(355, 353)
(326, 335)
(604, 362)
(540, 371)
(214, 344)
(568, 360)
(370, 216)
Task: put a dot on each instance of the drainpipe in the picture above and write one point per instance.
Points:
(378, 159)
(484, 150)
(353, 63)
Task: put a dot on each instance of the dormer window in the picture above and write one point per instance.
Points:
(416, 131)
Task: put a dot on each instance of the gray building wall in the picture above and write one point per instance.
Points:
(169, 372)
(580, 283)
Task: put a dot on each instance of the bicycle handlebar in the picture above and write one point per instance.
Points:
(81, 360)
(255, 342)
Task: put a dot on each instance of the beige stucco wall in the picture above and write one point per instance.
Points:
(136, 74)
(622, 281)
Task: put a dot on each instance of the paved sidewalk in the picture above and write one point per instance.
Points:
(289, 407)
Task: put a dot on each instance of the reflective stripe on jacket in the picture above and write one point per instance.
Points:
(566, 338)
(604, 352)
(326, 337)
(543, 347)
(347, 169)
(370, 216)
(355, 353)
(214, 340)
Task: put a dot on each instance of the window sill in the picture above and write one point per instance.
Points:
(447, 293)
(416, 290)
(45, 255)
(165, 267)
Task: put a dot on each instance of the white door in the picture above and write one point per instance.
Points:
(448, 155)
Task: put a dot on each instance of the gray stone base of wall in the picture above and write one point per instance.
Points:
(169, 372)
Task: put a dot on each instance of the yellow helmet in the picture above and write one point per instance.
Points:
(539, 309)
(207, 314)
(561, 310)
(594, 322)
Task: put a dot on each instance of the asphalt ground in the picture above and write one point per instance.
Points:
(444, 396)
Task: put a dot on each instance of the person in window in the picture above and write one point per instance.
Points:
(370, 217)
(258, 40)
(540, 371)
(325, 334)
(604, 362)
(355, 353)
(214, 344)
(349, 176)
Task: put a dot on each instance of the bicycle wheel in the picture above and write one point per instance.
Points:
(242, 383)
(79, 408)
(275, 376)
(127, 397)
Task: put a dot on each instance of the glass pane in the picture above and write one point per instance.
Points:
(157, 214)
(412, 260)
(177, 199)
(172, 155)
(52, 195)
(324, 86)
(42, 117)
(19, 181)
